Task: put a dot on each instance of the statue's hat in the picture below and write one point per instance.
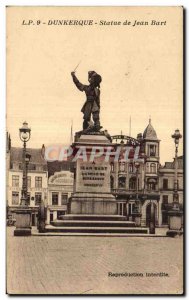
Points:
(91, 73)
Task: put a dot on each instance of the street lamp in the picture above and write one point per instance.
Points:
(23, 213)
(137, 213)
(176, 136)
(25, 133)
(137, 165)
(175, 214)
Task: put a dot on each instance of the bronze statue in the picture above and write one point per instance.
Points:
(92, 103)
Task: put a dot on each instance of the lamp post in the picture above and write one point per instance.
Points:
(25, 133)
(176, 136)
(137, 212)
(152, 223)
(175, 214)
(23, 213)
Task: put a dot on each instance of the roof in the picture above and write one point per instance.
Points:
(36, 156)
(149, 132)
(57, 166)
(170, 165)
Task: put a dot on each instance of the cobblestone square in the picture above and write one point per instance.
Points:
(81, 265)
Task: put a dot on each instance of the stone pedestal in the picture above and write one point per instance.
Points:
(92, 193)
(175, 223)
(94, 204)
(23, 222)
(42, 215)
(137, 219)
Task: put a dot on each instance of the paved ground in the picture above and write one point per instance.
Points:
(80, 265)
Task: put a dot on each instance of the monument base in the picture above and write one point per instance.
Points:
(23, 222)
(175, 223)
(92, 192)
(94, 204)
(22, 232)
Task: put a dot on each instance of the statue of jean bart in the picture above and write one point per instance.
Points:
(92, 103)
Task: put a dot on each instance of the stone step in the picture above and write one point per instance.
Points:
(83, 234)
(132, 230)
(92, 223)
(94, 217)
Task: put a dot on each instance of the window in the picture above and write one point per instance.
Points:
(28, 198)
(112, 167)
(15, 180)
(39, 168)
(121, 182)
(64, 199)
(165, 199)
(111, 182)
(121, 209)
(152, 150)
(122, 166)
(165, 184)
(54, 198)
(137, 168)
(29, 181)
(130, 168)
(131, 208)
(132, 183)
(15, 198)
(38, 198)
(153, 168)
(38, 182)
(151, 186)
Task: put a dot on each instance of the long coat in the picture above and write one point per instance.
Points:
(92, 103)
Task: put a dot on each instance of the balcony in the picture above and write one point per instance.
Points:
(131, 194)
(123, 191)
(168, 206)
(180, 189)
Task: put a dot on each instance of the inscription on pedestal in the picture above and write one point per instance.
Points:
(93, 177)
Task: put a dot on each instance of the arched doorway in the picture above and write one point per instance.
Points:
(148, 213)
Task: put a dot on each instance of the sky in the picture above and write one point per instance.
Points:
(141, 69)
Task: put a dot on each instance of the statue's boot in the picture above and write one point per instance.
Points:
(97, 127)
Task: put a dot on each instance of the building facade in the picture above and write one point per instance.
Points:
(124, 178)
(60, 189)
(37, 180)
(166, 187)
